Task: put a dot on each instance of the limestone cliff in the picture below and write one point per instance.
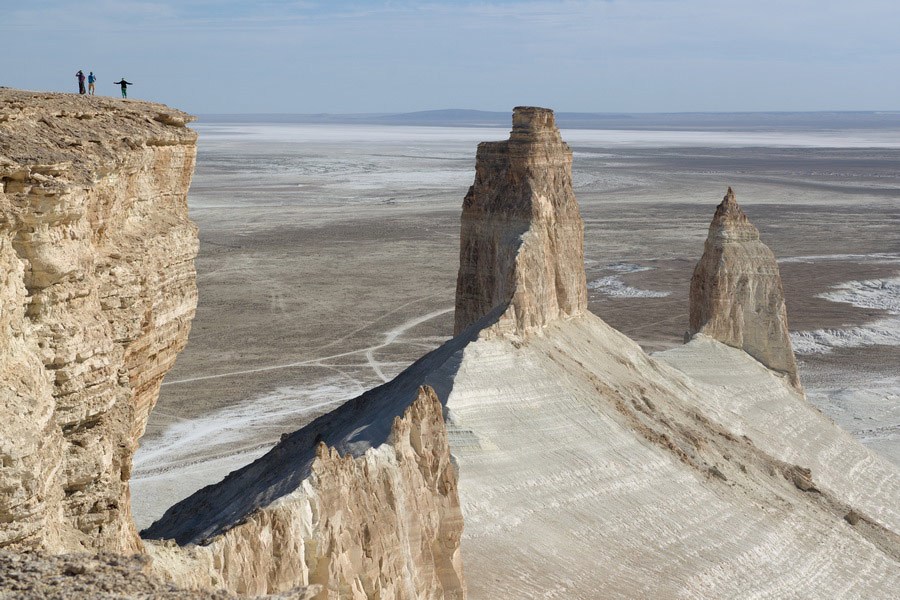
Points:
(595, 468)
(736, 293)
(386, 524)
(522, 237)
(98, 294)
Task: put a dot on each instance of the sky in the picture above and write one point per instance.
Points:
(345, 56)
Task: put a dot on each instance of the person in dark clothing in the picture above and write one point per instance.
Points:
(80, 76)
(124, 85)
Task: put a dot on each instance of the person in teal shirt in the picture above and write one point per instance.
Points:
(91, 81)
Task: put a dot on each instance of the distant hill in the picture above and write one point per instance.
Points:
(457, 117)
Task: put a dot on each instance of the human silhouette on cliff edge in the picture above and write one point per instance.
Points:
(124, 85)
(91, 79)
(80, 76)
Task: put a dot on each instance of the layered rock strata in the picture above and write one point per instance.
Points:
(386, 524)
(594, 468)
(522, 237)
(98, 295)
(736, 294)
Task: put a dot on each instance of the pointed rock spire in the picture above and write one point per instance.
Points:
(522, 237)
(730, 222)
(736, 292)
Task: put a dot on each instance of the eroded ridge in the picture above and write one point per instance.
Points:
(736, 292)
(386, 524)
(522, 237)
(98, 290)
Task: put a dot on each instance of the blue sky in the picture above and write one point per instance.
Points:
(341, 56)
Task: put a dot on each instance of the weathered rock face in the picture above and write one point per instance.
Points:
(31, 443)
(384, 525)
(98, 294)
(736, 293)
(522, 237)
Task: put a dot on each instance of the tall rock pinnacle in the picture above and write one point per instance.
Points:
(522, 237)
(736, 292)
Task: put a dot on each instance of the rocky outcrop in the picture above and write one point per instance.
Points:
(522, 237)
(736, 293)
(386, 524)
(98, 295)
(37, 576)
(588, 464)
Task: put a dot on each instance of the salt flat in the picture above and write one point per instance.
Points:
(319, 245)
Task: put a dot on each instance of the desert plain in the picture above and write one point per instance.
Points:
(329, 252)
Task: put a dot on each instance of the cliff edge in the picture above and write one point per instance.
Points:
(99, 289)
(97, 256)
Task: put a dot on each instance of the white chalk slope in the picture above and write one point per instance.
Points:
(589, 469)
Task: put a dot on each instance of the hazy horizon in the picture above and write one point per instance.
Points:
(345, 56)
(587, 112)
(886, 121)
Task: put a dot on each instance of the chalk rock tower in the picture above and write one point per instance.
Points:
(736, 293)
(522, 237)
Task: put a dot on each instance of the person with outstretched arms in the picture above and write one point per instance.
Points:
(124, 85)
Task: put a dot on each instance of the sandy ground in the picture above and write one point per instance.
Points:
(328, 262)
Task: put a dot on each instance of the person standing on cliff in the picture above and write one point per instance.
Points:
(124, 85)
(80, 76)
(91, 80)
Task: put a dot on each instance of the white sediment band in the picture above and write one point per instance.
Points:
(879, 294)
